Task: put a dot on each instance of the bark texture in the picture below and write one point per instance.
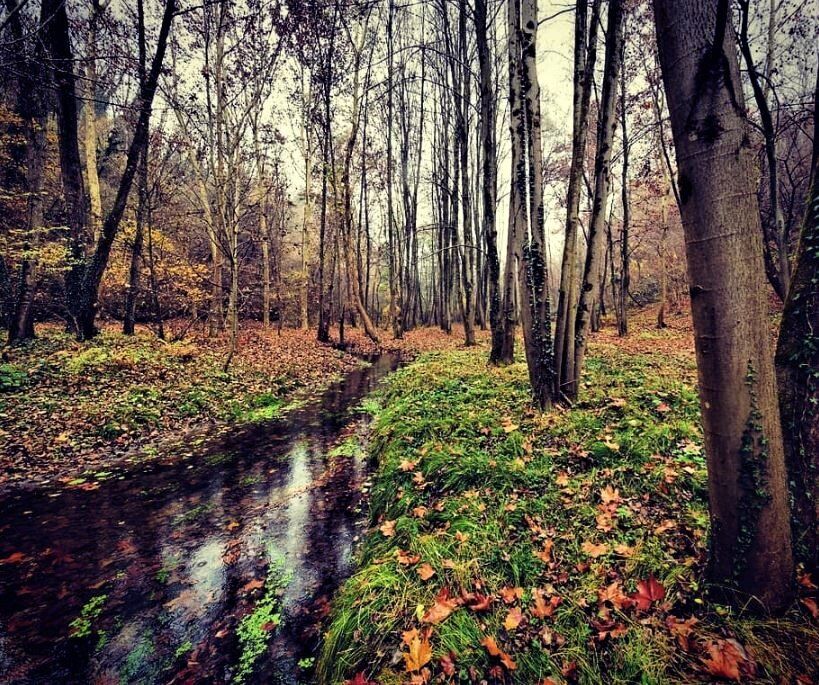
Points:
(750, 534)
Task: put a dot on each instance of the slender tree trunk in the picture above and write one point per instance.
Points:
(750, 532)
(142, 185)
(625, 258)
(86, 303)
(395, 297)
(797, 361)
(585, 56)
(31, 107)
(490, 181)
(590, 290)
(90, 120)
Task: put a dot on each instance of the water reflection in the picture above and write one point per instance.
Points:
(157, 570)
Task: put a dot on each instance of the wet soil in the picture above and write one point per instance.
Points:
(153, 576)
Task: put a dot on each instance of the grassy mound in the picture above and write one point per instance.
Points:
(510, 546)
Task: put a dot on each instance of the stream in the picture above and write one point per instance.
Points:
(214, 568)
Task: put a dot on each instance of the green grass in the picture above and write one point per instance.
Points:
(496, 482)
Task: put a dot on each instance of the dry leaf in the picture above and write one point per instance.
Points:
(425, 571)
(387, 529)
(513, 618)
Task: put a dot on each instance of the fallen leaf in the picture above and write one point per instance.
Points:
(681, 630)
(614, 595)
(812, 606)
(359, 679)
(406, 558)
(442, 608)
(724, 659)
(255, 584)
(513, 618)
(387, 529)
(648, 592)
(493, 649)
(425, 571)
(419, 650)
(545, 555)
(510, 594)
(407, 465)
(594, 550)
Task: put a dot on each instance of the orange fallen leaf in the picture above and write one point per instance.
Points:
(407, 465)
(425, 571)
(406, 558)
(493, 649)
(513, 618)
(594, 550)
(545, 555)
(442, 608)
(419, 650)
(724, 659)
(255, 584)
(387, 529)
(510, 594)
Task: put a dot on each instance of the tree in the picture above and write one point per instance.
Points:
(590, 291)
(489, 180)
(527, 199)
(585, 56)
(750, 539)
(797, 361)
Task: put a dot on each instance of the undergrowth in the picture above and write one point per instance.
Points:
(513, 546)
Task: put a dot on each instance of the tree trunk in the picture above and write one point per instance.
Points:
(590, 289)
(750, 533)
(31, 108)
(490, 181)
(85, 306)
(90, 121)
(585, 56)
(797, 361)
(625, 257)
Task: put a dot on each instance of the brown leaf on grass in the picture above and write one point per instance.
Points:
(419, 650)
(614, 595)
(594, 550)
(562, 479)
(513, 618)
(727, 659)
(624, 550)
(425, 571)
(605, 522)
(476, 602)
(406, 558)
(419, 512)
(545, 555)
(510, 594)
(648, 592)
(507, 424)
(492, 647)
(443, 607)
(407, 465)
(544, 609)
(681, 629)
(666, 525)
(610, 495)
(387, 529)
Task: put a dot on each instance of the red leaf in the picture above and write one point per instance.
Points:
(648, 592)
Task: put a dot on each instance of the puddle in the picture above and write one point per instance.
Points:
(217, 568)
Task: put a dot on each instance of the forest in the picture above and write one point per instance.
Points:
(368, 342)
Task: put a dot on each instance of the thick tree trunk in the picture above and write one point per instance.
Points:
(58, 43)
(750, 532)
(590, 289)
(797, 361)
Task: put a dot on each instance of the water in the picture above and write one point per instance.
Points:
(157, 571)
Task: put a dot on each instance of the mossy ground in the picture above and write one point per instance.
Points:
(552, 521)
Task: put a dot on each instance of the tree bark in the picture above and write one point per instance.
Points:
(797, 361)
(750, 533)
(590, 289)
(585, 56)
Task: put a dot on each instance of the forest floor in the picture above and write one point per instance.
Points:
(71, 411)
(512, 546)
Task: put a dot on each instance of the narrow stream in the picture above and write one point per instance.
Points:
(157, 574)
